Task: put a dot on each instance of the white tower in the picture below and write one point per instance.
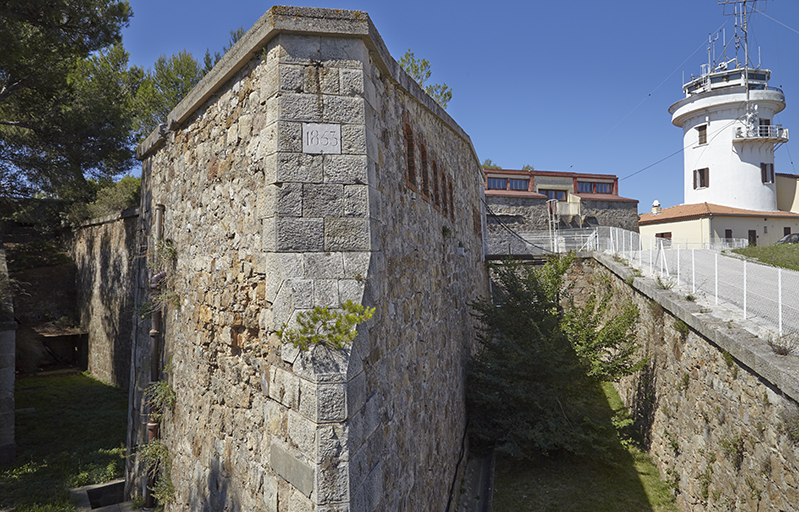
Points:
(729, 136)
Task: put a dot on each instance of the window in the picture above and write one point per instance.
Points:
(702, 130)
(701, 178)
(585, 187)
(728, 234)
(560, 195)
(767, 173)
(765, 230)
(786, 231)
(519, 184)
(666, 235)
(497, 183)
(410, 156)
(604, 188)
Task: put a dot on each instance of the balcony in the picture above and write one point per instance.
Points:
(774, 134)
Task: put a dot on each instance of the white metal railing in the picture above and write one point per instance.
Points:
(761, 132)
(699, 270)
(706, 270)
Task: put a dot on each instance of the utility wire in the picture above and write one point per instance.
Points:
(781, 23)
(654, 90)
(715, 134)
(509, 230)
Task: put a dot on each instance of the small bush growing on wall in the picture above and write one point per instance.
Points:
(789, 419)
(323, 326)
(160, 397)
(155, 456)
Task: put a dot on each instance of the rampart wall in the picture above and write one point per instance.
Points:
(104, 251)
(265, 224)
(710, 404)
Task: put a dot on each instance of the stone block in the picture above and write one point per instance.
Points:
(343, 53)
(347, 169)
(356, 393)
(284, 387)
(296, 472)
(302, 433)
(322, 200)
(326, 293)
(321, 80)
(346, 234)
(279, 267)
(270, 493)
(301, 108)
(323, 403)
(356, 203)
(299, 503)
(324, 365)
(282, 200)
(291, 78)
(269, 82)
(351, 289)
(297, 48)
(332, 484)
(293, 167)
(356, 265)
(332, 442)
(368, 496)
(323, 265)
(293, 234)
(351, 82)
(353, 139)
(335, 109)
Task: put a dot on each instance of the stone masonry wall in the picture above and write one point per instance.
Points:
(103, 251)
(7, 351)
(618, 214)
(264, 230)
(710, 403)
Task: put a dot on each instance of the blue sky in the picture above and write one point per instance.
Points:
(563, 85)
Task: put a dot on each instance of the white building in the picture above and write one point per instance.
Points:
(729, 139)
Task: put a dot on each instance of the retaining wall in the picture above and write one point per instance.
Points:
(710, 403)
(267, 224)
(104, 252)
(7, 358)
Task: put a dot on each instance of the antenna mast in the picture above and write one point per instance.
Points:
(742, 10)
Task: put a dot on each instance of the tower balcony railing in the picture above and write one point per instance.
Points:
(766, 133)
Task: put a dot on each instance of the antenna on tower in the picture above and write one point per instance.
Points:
(743, 10)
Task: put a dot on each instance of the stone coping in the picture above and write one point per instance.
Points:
(749, 349)
(296, 20)
(80, 498)
(123, 214)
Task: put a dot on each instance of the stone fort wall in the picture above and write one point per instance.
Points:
(104, 251)
(265, 226)
(710, 404)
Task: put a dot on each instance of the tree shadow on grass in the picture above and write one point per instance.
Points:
(622, 480)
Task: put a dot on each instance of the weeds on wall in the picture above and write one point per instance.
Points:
(665, 284)
(734, 450)
(682, 328)
(160, 397)
(323, 326)
(782, 345)
(789, 422)
(155, 456)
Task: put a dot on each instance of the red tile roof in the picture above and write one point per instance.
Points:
(702, 210)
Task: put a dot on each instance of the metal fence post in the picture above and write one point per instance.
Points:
(717, 276)
(744, 289)
(779, 295)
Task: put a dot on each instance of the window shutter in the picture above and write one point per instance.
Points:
(763, 176)
(707, 177)
(695, 179)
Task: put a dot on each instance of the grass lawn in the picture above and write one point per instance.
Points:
(628, 482)
(74, 436)
(786, 256)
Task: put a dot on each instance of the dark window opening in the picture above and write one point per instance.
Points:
(728, 234)
(560, 195)
(702, 133)
(585, 187)
(519, 184)
(497, 183)
(425, 176)
(410, 156)
(701, 178)
(786, 231)
(604, 188)
(767, 173)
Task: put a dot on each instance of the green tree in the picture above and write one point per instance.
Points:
(488, 164)
(162, 88)
(420, 71)
(528, 167)
(210, 61)
(56, 123)
(527, 385)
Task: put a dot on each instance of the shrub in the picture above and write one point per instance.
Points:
(323, 326)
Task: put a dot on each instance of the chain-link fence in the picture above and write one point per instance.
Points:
(706, 270)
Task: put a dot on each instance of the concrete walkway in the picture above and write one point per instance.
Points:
(478, 485)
